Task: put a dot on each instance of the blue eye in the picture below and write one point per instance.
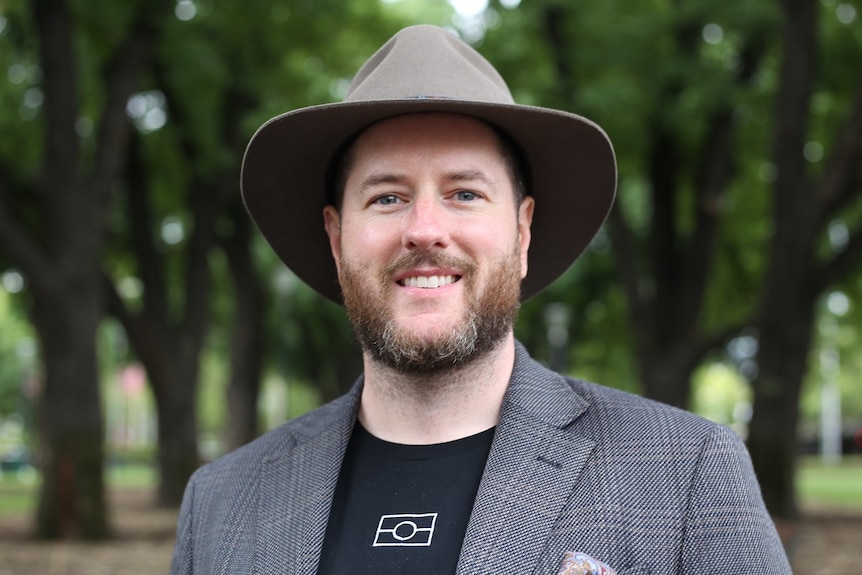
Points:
(387, 200)
(466, 195)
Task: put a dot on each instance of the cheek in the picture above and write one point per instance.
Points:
(491, 245)
(365, 242)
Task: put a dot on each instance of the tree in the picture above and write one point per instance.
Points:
(681, 166)
(217, 72)
(666, 303)
(797, 274)
(694, 149)
(247, 339)
(168, 338)
(52, 227)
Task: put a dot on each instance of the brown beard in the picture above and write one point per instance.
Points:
(489, 318)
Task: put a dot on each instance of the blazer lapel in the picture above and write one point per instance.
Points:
(296, 490)
(531, 471)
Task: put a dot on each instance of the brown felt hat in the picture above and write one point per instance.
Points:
(289, 161)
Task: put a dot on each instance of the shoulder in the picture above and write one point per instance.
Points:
(664, 443)
(598, 410)
(241, 465)
(624, 416)
(623, 408)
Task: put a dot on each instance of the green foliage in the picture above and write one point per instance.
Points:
(20, 92)
(629, 61)
(598, 348)
(720, 394)
(18, 362)
(257, 59)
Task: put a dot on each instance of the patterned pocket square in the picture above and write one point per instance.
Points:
(582, 564)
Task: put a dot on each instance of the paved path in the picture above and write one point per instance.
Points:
(825, 542)
(142, 545)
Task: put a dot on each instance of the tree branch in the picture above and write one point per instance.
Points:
(206, 196)
(15, 241)
(834, 192)
(846, 261)
(791, 247)
(668, 261)
(719, 338)
(715, 169)
(553, 19)
(626, 257)
(116, 306)
(59, 183)
(140, 221)
(140, 331)
(122, 78)
(836, 269)
(793, 204)
(62, 146)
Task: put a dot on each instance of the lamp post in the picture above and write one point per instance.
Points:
(830, 392)
(557, 324)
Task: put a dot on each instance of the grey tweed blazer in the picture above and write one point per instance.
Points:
(574, 466)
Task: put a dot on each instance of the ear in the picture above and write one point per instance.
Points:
(525, 220)
(332, 224)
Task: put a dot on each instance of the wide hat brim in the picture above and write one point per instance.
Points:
(288, 162)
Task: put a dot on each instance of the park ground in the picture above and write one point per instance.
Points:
(826, 539)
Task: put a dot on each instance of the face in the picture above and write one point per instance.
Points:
(430, 242)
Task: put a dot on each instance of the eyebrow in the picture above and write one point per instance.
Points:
(467, 176)
(390, 178)
(377, 179)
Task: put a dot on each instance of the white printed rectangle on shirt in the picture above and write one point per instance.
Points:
(405, 530)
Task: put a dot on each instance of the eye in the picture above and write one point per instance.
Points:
(466, 196)
(386, 200)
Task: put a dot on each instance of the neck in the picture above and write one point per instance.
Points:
(446, 405)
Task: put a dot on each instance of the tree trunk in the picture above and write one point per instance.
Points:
(667, 282)
(71, 501)
(783, 363)
(53, 228)
(171, 358)
(168, 337)
(175, 390)
(247, 336)
(788, 298)
(666, 373)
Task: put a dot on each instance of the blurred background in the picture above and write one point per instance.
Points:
(146, 328)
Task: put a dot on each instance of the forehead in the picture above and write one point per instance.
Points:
(419, 140)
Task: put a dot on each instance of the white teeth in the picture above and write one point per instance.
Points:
(429, 282)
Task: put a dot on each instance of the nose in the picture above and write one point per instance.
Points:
(426, 225)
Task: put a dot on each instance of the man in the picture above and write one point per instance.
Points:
(444, 205)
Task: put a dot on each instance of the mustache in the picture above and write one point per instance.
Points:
(416, 259)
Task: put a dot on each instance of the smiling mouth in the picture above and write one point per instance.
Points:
(428, 282)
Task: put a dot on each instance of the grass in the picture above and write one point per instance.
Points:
(19, 490)
(15, 499)
(818, 485)
(834, 486)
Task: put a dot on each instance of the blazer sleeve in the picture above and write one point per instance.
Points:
(182, 561)
(727, 527)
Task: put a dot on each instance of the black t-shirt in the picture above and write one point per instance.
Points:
(402, 508)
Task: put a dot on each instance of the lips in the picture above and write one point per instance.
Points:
(428, 271)
(428, 282)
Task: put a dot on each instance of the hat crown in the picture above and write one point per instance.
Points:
(427, 62)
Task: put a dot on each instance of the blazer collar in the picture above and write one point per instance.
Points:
(296, 491)
(530, 474)
(531, 469)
